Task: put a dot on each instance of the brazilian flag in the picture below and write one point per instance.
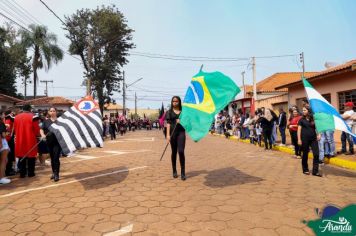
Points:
(206, 96)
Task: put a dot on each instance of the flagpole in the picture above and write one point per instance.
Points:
(168, 143)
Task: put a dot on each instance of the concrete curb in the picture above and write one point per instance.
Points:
(335, 161)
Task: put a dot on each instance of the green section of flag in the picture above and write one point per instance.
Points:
(343, 223)
(217, 91)
(306, 83)
(324, 122)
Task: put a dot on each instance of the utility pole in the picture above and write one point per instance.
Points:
(254, 79)
(123, 93)
(90, 65)
(243, 83)
(46, 82)
(25, 83)
(302, 61)
(135, 104)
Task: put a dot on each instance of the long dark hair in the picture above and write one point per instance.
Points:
(310, 114)
(180, 103)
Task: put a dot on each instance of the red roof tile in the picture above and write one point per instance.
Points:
(7, 98)
(48, 101)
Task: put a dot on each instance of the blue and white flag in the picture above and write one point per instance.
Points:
(79, 127)
(325, 115)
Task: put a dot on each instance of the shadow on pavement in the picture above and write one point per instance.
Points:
(331, 170)
(99, 179)
(225, 177)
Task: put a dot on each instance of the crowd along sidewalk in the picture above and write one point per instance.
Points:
(335, 161)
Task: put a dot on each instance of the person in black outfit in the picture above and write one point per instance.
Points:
(282, 124)
(176, 136)
(112, 128)
(266, 120)
(52, 142)
(307, 137)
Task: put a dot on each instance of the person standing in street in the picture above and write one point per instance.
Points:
(176, 136)
(52, 142)
(4, 150)
(282, 123)
(347, 116)
(293, 129)
(307, 138)
(26, 127)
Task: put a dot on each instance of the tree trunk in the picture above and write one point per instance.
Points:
(34, 67)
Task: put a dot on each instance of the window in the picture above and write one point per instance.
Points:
(346, 96)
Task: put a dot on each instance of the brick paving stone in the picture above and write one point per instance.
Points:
(73, 218)
(6, 226)
(149, 204)
(213, 225)
(46, 211)
(52, 227)
(187, 227)
(205, 233)
(137, 210)
(284, 230)
(174, 218)
(160, 210)
(122, 218)
(97, 218)
(198, 217)
(161, 226)
(177, 233)
(106, 227)
(49, 218)
(80, 227)
(113, 210)
(68, 210)
(148, 218)
(26, 227)
(23, 219)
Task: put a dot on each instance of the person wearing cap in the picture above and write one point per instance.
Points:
(347, 116)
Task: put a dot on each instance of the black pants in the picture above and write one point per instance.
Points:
(347, 137)
(112, 131)
(55, 152)
(27, 166)
(297, 148)
(10, 157)
(178, 145)
(306, 144)
(267, 136)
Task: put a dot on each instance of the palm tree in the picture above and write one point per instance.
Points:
(44, 45)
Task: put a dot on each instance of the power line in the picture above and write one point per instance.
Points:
(53, 12)
(6, 9)
(17, 10)
(193, 57)
(184, 59)
(13, 21)
(29, 14)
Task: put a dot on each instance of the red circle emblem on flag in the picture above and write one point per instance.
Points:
(86, 105)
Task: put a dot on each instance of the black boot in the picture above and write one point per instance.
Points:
(56, 177)
(175, 175)
(31, 162)
(182, 176)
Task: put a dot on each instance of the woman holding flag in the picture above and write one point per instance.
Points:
(52, 142)
(176, 136)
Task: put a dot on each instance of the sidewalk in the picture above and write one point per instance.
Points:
(340, 161)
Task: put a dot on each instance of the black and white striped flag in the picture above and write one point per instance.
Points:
(79, 127)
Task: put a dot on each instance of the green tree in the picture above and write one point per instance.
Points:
(14, 60)
(101, 38)
(7, 70)
(46, 52)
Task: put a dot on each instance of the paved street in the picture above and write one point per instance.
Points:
(231, 189)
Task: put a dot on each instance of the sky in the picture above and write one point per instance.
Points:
(325, 30)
